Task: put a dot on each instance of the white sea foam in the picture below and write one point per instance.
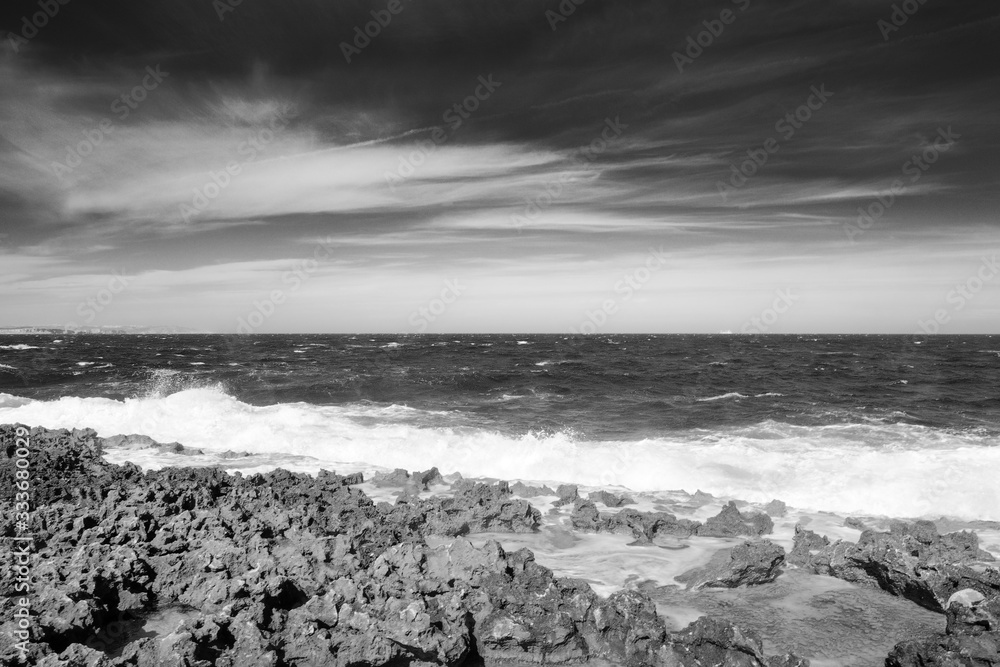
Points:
(732, 394)
(870, 469)
(19, 346)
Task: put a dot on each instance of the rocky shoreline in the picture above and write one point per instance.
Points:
(194, 566)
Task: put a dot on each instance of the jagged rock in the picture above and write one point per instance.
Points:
(748, 564)
(610, 499)
(809, 550)
(65, 466)
(285, 568)
(525, 491)
(586, 517)
(75, 655)
(730, 522)
(479, 508)
(427, 478)
(568, 493)
(926, 572)
(700, 498)
(776, 508)
(230, 454)
(911, 560)
(719, 643)
(948, 651)
(409, 494)
(412, 485)
(354, 478)
(969, 612)
(855, 523)
(643, 526)
(398, 477)
(134, 441)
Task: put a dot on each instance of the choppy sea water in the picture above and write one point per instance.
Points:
(874, 425)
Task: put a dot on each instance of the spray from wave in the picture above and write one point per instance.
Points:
(877, 469)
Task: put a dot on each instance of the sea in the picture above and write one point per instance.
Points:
(902, 426)
(836, 427)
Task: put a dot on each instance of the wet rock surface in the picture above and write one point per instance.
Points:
(948, 573)
(731, 522)
(526, 491)
(134, 441)
(643, 526)
(827, 620)
(610, 499)
(194, 566)
(751, 563)
(911, 560)
(710, 641)
(971, 637)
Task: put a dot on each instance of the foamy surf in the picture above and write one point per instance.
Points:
(868, 469)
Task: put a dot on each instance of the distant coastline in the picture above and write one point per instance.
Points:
(110, 329)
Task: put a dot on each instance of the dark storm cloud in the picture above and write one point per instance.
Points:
(563, 77)
(607, 57)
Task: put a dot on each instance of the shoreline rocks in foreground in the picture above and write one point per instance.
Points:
(288, 569)
(193, 566)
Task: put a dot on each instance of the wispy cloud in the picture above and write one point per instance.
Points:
(515, 197)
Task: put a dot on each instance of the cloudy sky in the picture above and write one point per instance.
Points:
(476, 165)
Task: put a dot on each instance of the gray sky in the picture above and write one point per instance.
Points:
(598, 166)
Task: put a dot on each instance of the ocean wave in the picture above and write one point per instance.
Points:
(731, 394)
(163, 382)
(9, 401)
(736, 394)
(874, 469)
(19, 346)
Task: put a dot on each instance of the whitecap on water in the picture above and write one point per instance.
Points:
(732, 394)
(890, 469)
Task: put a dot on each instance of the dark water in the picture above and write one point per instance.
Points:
(601, 387)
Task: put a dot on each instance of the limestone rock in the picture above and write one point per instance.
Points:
(730, 522)
(285, 568)
(610, 499)
(776, 508)
(525, 491)
(719, 643)
(750, 563)
(911, 560)
(568, 493)
(643, 526)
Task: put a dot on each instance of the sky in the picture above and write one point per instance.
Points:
(520, 166)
